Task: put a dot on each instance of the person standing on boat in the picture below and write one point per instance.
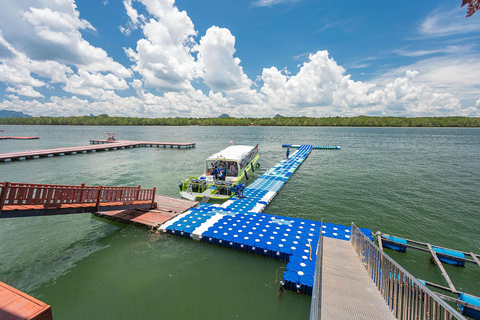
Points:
(215, 173)
(288, 152)
(223, 174)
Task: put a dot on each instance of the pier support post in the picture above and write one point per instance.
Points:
(97, 207)
(3, 194)
(153, 198)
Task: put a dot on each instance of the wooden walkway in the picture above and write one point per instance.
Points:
(27, 199)
(18, 138)
(118, 145)
(347, 291)
(167, 208)
(16, 305)
(147, 143)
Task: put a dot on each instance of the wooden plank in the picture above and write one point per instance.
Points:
(474, 256)
(439, 263)
(17, 305)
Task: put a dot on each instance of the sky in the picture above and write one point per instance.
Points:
(250, 58)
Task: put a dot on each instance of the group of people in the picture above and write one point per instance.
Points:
(220, 169)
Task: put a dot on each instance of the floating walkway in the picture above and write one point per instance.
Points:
(240, 224)
(342, 269)
(314, 147)
(117, 145)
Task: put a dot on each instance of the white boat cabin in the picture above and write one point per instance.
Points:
(234, 159)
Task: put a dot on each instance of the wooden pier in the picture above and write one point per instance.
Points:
(16, 305)
(106, 146)
(22, 200)
(18, 138)
(167, 208)
(147, 143)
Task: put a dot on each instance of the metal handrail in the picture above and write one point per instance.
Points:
(406, 297)
(315, 308)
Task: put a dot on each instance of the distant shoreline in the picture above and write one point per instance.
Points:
(361, 121)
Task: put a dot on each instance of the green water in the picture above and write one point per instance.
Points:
(417, 183)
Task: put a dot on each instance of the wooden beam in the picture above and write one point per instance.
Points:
(474, 256)
(426, 250)
(439, 263)
(379, 238)
(431, 284)
(463, 303)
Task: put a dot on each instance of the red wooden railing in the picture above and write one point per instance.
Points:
(54, 196)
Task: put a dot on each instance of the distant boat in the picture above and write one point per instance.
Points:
(238, 164)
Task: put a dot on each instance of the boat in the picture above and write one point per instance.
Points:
(238, 162)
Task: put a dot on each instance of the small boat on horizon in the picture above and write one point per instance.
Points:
(224, 171)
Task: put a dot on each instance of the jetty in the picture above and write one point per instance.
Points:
(28, 199)
(345, 272)
(106, 146)
(18, 138)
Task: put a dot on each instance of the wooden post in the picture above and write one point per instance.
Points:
(137, 193)
(81, 200)
(379, 237)
(153, 199)
(98, 198)
(3, 194)
(439, 263)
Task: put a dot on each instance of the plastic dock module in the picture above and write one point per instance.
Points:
(240, 224)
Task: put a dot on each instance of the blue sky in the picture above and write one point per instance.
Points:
(165, 58)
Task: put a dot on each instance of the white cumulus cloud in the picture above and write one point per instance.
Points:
(163, 58)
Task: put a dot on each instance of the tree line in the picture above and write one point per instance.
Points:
(360, 121)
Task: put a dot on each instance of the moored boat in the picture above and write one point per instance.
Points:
(224, 170)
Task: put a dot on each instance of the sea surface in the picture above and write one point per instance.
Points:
(417, 183)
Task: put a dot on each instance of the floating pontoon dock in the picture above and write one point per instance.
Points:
(106, 146)
(239, 224)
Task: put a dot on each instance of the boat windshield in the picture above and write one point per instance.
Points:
(230, 166)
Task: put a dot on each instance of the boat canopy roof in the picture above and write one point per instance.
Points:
(235, 153)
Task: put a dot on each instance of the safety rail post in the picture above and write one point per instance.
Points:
(137, 193)
(80, 198)
(153, 198)
(406, 297)
(97, 207)
(3, 194)
(315, 307)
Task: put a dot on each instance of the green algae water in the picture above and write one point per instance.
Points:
(417, 183)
